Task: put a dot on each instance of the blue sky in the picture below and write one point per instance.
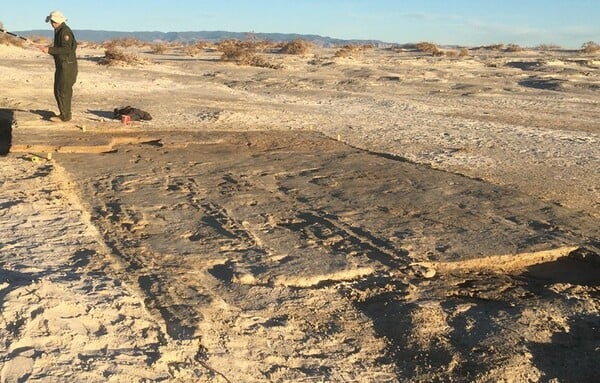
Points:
(568, 23)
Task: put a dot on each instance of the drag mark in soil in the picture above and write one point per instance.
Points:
(328, 231)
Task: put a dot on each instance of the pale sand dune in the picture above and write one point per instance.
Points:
(387, 217)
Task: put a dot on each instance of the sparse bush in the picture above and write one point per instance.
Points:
(513, 48)
(195, 48)
(244, 53)
(431, 48)
(191, 50)
(590, 47)
(126, 42)
(463, 52)
(159, 48)
(493, 47)
(114, 56)
(233, 50)
(548, 47)
(258, 61)
(296, 47)
(351, 50)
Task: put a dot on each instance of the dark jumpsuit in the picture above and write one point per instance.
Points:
(65, 75)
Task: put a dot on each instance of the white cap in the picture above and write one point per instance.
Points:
(56, 16)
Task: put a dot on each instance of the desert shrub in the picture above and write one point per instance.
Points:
(258, 61)
(244, 53)
(115, 56)
(590, 47)
(548, 47)
(191, 50)
(431, 48)
(296, 47)
(493, 47)
(463, 52)
(158, 48)
(195, 48)
(125, 42)
(351, 50)
(232, 47)
(234, 50)
(513, 48)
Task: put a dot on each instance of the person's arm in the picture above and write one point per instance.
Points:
(67, 42)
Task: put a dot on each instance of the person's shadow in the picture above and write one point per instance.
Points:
(45, 114)
(6, 124)
(107, 114)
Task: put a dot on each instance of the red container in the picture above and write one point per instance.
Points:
(125, 119)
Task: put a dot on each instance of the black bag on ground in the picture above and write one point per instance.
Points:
(134, 113)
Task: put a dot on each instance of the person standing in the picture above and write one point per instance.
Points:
(65, 60)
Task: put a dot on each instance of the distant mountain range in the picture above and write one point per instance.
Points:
(214, 36)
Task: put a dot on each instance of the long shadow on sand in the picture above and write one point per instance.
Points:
(45, 114)
(102, 113)
(467, 313)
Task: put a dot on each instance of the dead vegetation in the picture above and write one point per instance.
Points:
(427, 47)
(461, 53)
(493, 47)
(434, 50)
(115, 56)
(351, 50)
(195, 48)
(513, 48)
(590, 47)
(548, 47)
(126, 42)
(246, 53)
(296, 47)
(158, 48)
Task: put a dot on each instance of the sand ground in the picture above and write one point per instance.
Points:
(387, 217)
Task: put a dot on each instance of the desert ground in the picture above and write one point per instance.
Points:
(387, 216)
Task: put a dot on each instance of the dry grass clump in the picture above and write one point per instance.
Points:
(195, 48)
(158, 48)
(431, 48)
(126, 42)
(493, 47)
(548, 47)
(590, 47)
(513, 48)
(116, 57)
(463, 52)
(245, 53)
(296, 47)
(351, 50)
